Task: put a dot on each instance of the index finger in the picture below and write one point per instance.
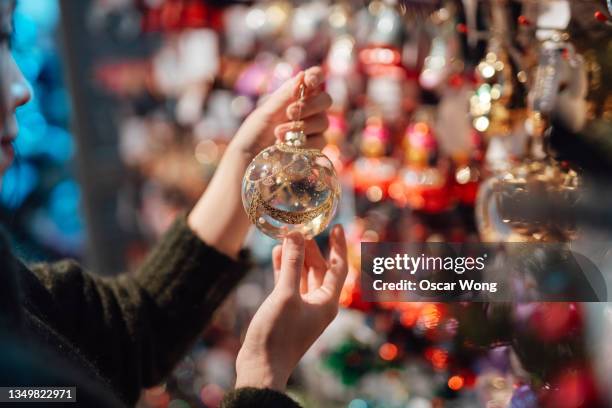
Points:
(292, 262)
(336, 275)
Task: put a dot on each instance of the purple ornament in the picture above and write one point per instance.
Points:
(524, 397)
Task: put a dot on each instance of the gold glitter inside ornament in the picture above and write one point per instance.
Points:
(288, 187)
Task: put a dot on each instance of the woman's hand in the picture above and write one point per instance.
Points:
(218, 218)
(303, 303)
(278, 113)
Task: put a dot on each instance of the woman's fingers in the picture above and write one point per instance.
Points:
(313, 78)
(292, 262)
(284, 95)
(289, 91)
(313, 105)
(315, 264)
(276, 261)
(338, 265)
(304, 281)
(314, 258)
(312, 125)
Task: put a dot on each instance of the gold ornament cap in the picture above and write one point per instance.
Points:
(296, 137)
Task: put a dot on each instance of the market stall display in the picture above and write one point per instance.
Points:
(452, 121)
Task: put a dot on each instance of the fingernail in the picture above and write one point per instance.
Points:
(314, 81)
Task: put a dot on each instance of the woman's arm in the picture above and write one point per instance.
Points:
(136, 328)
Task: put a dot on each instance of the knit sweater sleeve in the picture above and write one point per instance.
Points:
(257, 397)
(135, 328)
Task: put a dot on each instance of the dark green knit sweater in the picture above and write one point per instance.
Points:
(114, 336)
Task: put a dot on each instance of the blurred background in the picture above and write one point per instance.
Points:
(449, 117)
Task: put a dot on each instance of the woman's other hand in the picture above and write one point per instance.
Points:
(303, 303)
(278, 112)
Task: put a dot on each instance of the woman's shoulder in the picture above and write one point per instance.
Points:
(20, 288)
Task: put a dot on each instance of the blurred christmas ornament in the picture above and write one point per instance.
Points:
(343, 81)
(524, 397)
(288, 187)
(307, 21)
(425, 183)
(381, 57)
(527, 203)
(531, 200)
(442, 59)
(381, 60)
(352, 360)
(469, 169)
(498, 104)
(336, 136)
(373, 173)
(388, 25)
(240, 39)
(252, 81)
(268, 18)
(337, 131)
(494, 389)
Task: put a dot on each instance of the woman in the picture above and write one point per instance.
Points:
(112, 337)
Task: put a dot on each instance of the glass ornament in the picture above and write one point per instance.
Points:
(529, 203)
(533, 200)
(373, 172)
(468, 171)
(424, 181)
(288, 187)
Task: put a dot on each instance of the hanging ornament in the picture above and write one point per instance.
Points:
(335, 136)
(468, 171)
(497, 108)
(425, 183)
(442, 59)
(531, 201)
(253, 79)
(269, 18)
(288, 187)
(344, 82)
(457, 138)
(307, 21)
(381, 55)
(373, 172)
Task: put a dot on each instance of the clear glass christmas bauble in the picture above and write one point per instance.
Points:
(290, 188)
(531, 202)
